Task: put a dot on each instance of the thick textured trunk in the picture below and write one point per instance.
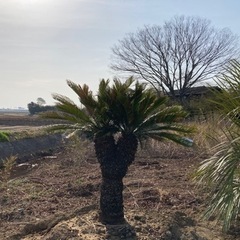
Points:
(127, 148)
(111, 201)
(114, 159)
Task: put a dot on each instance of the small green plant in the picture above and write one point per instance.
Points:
(4, 137)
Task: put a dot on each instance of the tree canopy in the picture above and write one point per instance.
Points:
(177, 55)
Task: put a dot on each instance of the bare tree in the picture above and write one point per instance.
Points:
(183, 52)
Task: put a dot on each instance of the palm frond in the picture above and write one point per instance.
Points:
(68, 110)
(122, 107)
(221, 172)
(187, 142)
(85, 96)
(167, 116)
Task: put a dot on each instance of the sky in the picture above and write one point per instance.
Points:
(45, 42)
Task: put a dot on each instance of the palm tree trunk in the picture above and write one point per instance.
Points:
(114, 159)
(111, 201)
(127, 148)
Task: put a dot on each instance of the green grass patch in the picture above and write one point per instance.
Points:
(4, 136)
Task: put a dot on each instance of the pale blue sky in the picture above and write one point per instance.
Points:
(45, 42)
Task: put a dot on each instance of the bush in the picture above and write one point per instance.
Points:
(35, 108)
(4, 137)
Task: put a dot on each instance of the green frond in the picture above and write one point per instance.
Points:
(85, 96)
(167, 116)
(228, 99)
(184, 141)
(221, 172)
(118, 86)
(171, 114)
(125, 106)
(174, 128)
(152, 104)
(103, 87)
(69, 111)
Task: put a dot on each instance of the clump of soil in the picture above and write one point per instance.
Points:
(57, 198)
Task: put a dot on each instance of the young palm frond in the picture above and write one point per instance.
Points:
(221, 172)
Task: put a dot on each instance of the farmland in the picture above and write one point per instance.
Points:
(56, 195)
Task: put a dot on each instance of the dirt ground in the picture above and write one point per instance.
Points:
(56, 197)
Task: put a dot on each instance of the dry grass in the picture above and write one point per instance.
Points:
(5, 171)
(208, 134)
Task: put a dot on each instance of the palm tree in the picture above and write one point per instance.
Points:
(117, 119)
(220, 172)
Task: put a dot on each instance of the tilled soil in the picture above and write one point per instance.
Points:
(56, 197)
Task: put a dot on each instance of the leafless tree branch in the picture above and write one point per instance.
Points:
(176, 56)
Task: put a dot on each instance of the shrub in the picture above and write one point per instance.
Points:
(4, 137)
(35, 108)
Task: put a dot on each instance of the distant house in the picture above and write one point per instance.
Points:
(195, 93)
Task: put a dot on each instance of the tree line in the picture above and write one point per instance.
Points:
(39, 106)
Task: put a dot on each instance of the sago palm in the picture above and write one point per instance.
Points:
(117, 119)
(221, 172)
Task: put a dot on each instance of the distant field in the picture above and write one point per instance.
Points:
(20, 119)
(13, 111)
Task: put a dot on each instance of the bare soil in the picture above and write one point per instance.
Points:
(56, 197)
